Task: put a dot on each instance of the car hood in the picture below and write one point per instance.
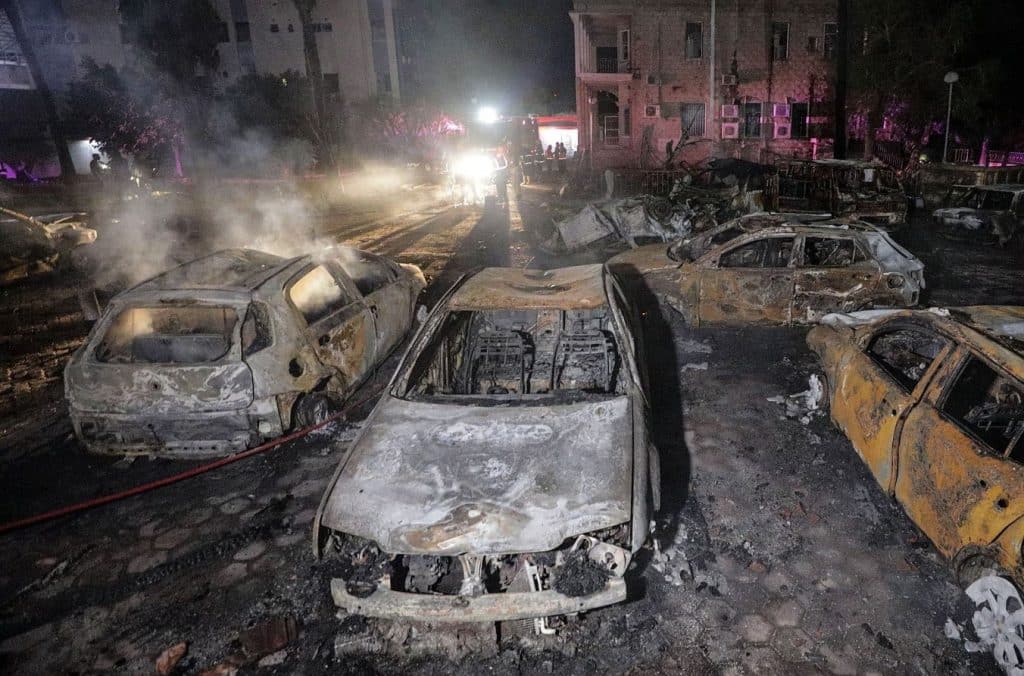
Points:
(962, 213)
(445, 479)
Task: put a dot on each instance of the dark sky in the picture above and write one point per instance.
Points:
(516, 54)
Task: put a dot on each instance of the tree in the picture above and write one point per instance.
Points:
(13, 11)
(325, 122)
(898, 54)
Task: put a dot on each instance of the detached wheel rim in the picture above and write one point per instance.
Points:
(999, 620)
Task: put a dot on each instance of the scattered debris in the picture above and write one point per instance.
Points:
(270, 635)
(701, 366)
(580, 575)
(170, 657)
(38, 243)
(802, 405)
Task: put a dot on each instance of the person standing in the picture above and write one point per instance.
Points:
(549, 160)
(560, 155)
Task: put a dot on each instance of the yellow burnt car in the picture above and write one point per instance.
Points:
(775, 269)
(933, 402)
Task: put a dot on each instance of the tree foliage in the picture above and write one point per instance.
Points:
(176, 36)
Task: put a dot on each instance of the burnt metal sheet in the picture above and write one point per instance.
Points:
(394, 605)
(448, 479)
(579, 287)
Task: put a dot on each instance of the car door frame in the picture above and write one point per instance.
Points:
(880, 456)
(320, 333)
(867, 275)
(971, 481)
(754, 309)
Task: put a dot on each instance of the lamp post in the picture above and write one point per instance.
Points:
(951, 77)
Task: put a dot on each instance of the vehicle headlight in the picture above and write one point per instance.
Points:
(895, 281)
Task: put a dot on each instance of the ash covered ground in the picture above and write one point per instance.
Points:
(775, 552)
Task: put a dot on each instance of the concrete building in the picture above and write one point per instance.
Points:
(732, 78)
(355, 38)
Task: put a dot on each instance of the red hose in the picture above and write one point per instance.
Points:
(174, 478)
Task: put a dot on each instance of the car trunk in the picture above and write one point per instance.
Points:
(452, 478)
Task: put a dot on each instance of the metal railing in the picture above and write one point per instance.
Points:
(608, 64)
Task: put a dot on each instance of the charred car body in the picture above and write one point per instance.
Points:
(507, 473)
(986, 213)
(867, 191)
(765, 269)
(221, 353)
(31, 242)
(933, 402)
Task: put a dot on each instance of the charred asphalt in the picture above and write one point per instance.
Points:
(775, 551)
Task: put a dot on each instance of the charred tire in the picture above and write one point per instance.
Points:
(314, 408)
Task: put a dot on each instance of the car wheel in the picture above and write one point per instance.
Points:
(314, 408)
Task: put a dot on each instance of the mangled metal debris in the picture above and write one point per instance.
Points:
(235, 348)
(39, 242)
(867, 191)
(507, 475)
(990, 214)
(934, 404)
(774, 269)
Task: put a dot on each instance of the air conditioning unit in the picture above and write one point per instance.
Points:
(782, 130)
(730, 130)
(780, 110)
(730, 111)
(730, 80)
(652, 111)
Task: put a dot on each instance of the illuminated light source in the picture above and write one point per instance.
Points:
(487, 115)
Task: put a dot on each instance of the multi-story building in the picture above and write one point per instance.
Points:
(355, 40)
(730, 78)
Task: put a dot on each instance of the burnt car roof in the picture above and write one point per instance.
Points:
(1003, 323)
(239, 269)
(580, 287)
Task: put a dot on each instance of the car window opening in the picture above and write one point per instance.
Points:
(828, 252)
(906, 353)
(517, 353)
(168, 335)
(989, 406)
(317, 294)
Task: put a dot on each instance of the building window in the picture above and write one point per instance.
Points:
(752, 120)
(291, 28)
(324, 27)
(331, 84)
(694, 40)
(798, 119)
(624, 41)
(831, 39)
(780, 40)
(813, 44)
(222, 32)
(692, 115)
(274, 28)
(242, 31)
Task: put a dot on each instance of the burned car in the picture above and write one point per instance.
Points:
(933, 402)
(867, 191)
(234, 348)
(989, 214)
(39, 242)
(768, 270)
(507, 473)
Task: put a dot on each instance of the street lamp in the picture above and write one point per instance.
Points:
(950, 78)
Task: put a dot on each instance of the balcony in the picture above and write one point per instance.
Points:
(603, 47)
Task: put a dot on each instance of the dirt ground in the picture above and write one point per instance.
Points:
(775, 552)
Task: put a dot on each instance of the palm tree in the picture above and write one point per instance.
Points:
(67, 167)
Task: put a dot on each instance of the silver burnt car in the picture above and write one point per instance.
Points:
(507, 473)
(235, 348)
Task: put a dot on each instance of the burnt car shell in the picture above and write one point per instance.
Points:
(216, 355)
(515, 479)
(985, 213)
(33, 240)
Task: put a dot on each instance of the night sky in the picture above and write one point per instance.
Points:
(516, 54)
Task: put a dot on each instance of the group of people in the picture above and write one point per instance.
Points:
(557, 154)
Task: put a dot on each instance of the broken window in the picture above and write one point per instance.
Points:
(987, 405)
(317, 294)
(830, 252)
(168, 335)
(256, 334)
(694, 40)
(368, 272)
(763, 253)
(519, 353)
(905, 353)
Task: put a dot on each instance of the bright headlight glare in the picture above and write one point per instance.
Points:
(473, 166)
